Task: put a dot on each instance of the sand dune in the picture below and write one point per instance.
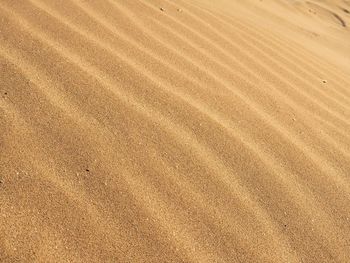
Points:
(174, 131)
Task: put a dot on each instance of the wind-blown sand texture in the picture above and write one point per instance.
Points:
(174, 131)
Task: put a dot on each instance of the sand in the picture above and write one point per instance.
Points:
(174, 131)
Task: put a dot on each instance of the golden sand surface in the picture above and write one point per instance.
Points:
(175, 131)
